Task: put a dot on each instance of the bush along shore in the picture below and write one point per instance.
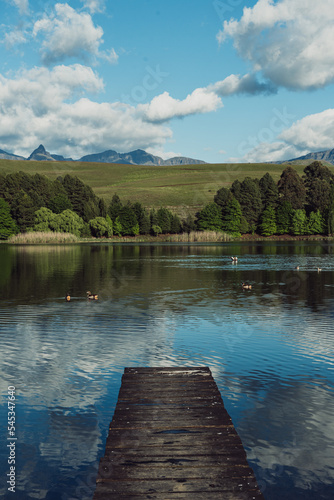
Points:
(295, 205)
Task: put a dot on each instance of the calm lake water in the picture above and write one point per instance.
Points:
(270, 350)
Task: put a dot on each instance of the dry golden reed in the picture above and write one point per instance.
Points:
(42, 237)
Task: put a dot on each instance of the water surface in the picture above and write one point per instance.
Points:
(270, 350)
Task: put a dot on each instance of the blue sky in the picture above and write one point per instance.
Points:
(221, 81)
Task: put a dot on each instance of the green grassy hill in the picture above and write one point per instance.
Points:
(184, 188)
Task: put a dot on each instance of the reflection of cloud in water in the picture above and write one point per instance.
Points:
(307, 431)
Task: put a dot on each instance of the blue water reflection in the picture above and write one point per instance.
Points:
(270, 350)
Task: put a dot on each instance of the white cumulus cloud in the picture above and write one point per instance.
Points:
(69, 34)
(313, 132)
(247, 84)
(49, 106)
(22, 5)
(94, 5)
(289, 41)
(164, 107)
(309, 134)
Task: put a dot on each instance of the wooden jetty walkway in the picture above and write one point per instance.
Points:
(170, 439)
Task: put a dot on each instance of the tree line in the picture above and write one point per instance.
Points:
(296, 205)
(36, 203)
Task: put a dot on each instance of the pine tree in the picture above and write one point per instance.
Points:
(231, 216)
(209, 218)
(7, 223)
(291, 188)
(316, 224)
(268, 221)
(299, 222)
(284, 213)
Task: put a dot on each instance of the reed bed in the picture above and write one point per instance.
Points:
(201, 236)
(39, 237)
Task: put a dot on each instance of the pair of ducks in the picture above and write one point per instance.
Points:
(90, 296)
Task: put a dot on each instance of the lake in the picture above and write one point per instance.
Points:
(270, 350)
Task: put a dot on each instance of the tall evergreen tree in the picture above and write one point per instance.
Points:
(164, 218)
(268, 221)
(223, 196)
(249, 197)
(115, 207)
(7, 223)
(128, 221)
(316, 223)
(316, 170)
(209, 218)
(284, 213)
(231, 216)
(318, 195)
(269, 190)
(299, 222)
(291, 188)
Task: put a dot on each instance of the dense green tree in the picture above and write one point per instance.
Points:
(291, 188)
(209, 218)
(142, 217)
(231, 216)
(153, 217)
(69, 222)
(114, 207)
(318, 195)
(236, 189)
(188, 224)
(284, 213)
(59, 203)
(244, 226)
(269, 190)
(117, 227)
(164, 219)
(128, 220)
(299, 222)
(316, 223)
(8, 226)
(175, 227)
(101, 227)
(156, 229)
(248, 195)
(84, 202)
(316, 170)
(223, 196)
(102, 208)
(23, 210)
(268, 221)
(45, 220)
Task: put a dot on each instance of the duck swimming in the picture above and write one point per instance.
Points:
(234, 259)
(246, 286)
(67, 297)
(92, 296)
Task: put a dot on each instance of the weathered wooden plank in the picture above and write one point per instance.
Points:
(172, 438)
(207, 495)
(145, 487)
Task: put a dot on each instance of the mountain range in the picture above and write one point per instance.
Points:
(327, 155)
(140, 157)
(137, 157)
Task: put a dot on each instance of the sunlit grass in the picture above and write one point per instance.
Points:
(185, 188)
(201, 236)
(39, 237)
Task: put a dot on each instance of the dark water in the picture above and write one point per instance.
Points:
(270, 350)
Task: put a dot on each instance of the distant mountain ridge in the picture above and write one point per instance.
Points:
(137, 157)
(327, 155)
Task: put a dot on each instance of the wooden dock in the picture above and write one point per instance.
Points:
(170, 439)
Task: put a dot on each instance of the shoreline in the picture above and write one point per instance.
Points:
(168, 238)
